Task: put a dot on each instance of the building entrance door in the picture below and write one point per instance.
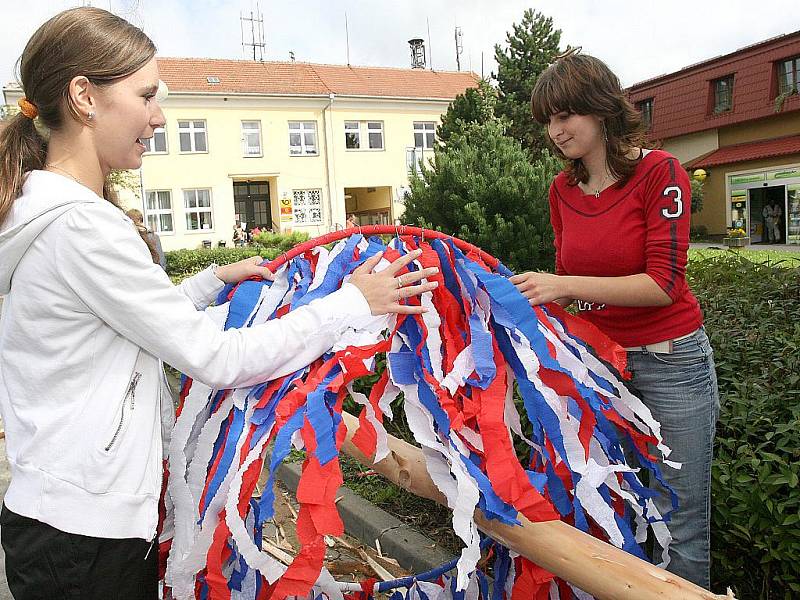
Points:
(768, 209)
(252, 204)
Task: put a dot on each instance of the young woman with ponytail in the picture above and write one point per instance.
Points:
(88, 318)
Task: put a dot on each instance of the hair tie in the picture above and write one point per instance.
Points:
(28, 108)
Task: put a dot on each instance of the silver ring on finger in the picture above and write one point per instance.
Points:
(399, 282)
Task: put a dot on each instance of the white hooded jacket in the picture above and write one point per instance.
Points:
(87, 318)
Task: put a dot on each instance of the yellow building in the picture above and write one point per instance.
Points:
(285, 146)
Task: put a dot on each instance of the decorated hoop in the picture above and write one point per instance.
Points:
(457, 366)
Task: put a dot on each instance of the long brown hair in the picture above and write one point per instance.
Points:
(582, 84)
(81, 41)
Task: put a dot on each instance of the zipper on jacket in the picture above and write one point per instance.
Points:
(130, 392)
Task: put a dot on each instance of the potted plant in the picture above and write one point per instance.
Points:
(736, 238)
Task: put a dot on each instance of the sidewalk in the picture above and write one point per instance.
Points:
(765, 247)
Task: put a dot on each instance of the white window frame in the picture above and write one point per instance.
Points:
(303, 128)
(246, 147)
(425, 128)
(354, 128)
(372, 130)
(150, 142)
(192, 130)
(158, 212)
(196, 209)
(303, 204)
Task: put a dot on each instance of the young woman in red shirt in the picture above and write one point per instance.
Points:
(620, 214)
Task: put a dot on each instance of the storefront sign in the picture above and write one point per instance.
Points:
(784, 174)
(748, 178)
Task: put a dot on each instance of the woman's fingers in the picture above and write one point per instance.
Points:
(401, 262)
(410, 291)
(414, 276)
(369, 265)
(415, 290)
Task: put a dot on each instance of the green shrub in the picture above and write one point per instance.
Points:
(752, 315)
(182, 263)
(279, 241)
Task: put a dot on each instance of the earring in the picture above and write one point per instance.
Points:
(90, 115)
(605, 133)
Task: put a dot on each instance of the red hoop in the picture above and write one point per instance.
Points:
(398, 230)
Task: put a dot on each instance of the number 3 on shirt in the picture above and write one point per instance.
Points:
(677, 197)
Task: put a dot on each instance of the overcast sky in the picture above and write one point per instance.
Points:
(639, 40)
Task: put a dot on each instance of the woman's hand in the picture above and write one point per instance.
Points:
(540, 288)
(384, 291)
(244, 269)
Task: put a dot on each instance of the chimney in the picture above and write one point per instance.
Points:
(417, 53)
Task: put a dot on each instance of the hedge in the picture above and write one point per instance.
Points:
(182, 263)
(752, 314)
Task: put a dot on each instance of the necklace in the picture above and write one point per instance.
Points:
(600, 187)
(67, 173)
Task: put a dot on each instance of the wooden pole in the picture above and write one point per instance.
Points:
(594, 566)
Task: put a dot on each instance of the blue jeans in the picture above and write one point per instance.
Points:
(680, 389)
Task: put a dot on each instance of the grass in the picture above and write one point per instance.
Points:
(776, 258)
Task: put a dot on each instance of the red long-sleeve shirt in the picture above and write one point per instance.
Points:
(641, 227)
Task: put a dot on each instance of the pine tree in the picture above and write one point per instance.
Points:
(483, 188)
(532, 47)
(475, 105)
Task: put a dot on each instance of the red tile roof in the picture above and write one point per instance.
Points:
(683, 101)
(296, 78)
(749, 151)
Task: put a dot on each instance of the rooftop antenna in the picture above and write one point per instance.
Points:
(257, 39)
(459, 47)
(417, 53)
(430, 47)
(347, 38)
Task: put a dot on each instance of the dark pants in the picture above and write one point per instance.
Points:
(44, 563)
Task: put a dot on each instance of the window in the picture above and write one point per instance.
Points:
(789, 76)
(375, 132)
(352, 135)
(158, 143)
(307, 207)
(646, 108)
(192, 135)
(197, 205)
(158, 211)
(424, 135)
(723, 94)
(251, 138)
(302, 138)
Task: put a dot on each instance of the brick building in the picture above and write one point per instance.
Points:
(736, 117)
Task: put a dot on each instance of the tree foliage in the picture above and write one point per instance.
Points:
(532, 46)
(697, 195)
(482, 187)
(476, 105)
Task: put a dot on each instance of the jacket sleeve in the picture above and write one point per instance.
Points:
(201, 288)
(667, 213)
(100, 257)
